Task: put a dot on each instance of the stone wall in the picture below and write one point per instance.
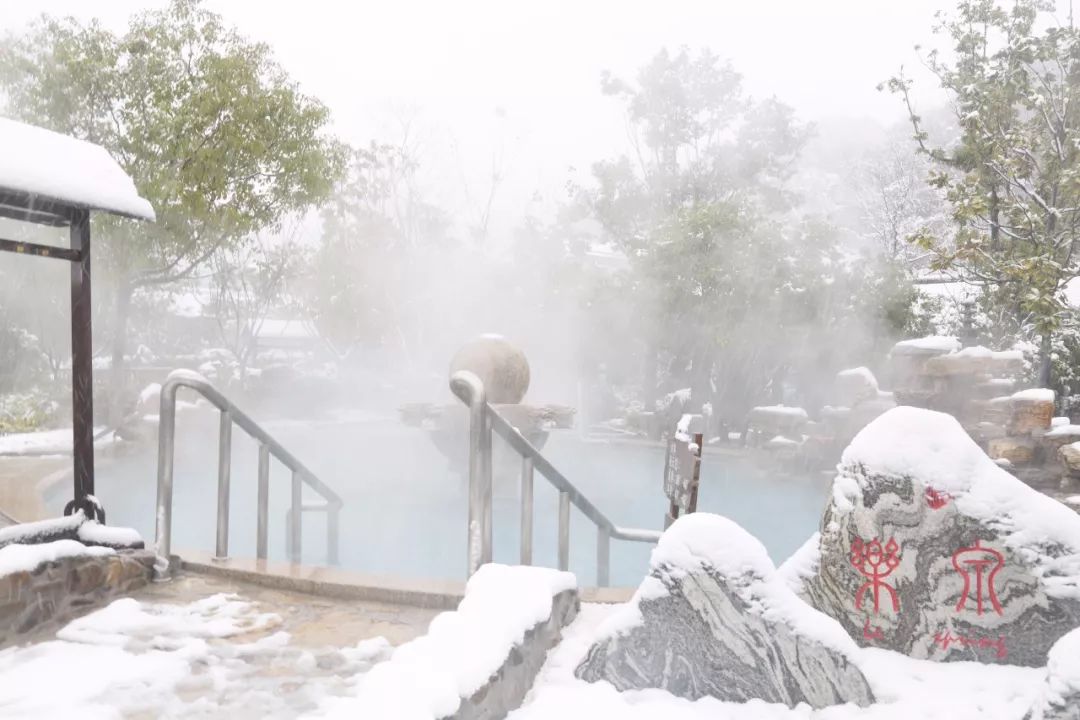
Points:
(506, 689)
(54, 592)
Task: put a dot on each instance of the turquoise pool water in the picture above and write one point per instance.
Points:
(405, 508)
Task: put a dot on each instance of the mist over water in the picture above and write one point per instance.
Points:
(704, 208)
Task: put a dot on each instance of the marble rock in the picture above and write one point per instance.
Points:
(1060, 698)
(929, 548)
(714, 618)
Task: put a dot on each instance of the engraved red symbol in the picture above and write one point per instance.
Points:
(870, 633)
(937, 499)
(946, 639)
(875, 563)
(978, 558)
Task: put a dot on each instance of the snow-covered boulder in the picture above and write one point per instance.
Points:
(1061, 695)
(854, 386)
(930, 549)
(714, 618)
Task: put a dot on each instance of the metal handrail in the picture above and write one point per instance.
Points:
(483, 419)
(268, 446)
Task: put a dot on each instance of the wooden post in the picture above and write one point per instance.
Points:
(82, 366)
(699, 439)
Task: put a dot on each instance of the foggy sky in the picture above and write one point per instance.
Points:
(516, 85)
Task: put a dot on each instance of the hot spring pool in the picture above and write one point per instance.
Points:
(405, 509)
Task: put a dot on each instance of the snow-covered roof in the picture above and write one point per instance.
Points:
(61, 168)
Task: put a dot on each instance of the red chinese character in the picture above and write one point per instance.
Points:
(872, 633)
(875, 564)
(937, 499)
(978, 558)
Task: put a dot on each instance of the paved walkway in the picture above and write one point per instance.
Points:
(203, 647)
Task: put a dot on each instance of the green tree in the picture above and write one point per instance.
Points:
(689, 206)
(1012, 179)
(213, 131)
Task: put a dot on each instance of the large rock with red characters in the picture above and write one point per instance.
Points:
(929, 548)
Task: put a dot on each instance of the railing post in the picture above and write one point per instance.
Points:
(564, 530)
(295, 516)
(263, 508)
(332, 536)
(603, 557)
(468, 387)
(526, 510)
(166, 443)
(221, 550)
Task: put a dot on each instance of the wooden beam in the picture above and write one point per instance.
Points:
(26, 248)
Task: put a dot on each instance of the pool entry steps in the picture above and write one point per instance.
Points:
(485, 419)
(268, 446)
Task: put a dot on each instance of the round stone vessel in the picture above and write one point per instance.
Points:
(499, 364)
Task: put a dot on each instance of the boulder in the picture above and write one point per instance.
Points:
(770, 421)
(715, 618)
(1059, 436)
(1060, 698)
(1069, 455)
(854, 385)
(1031, 411)
(930, 549)
(1017, 450)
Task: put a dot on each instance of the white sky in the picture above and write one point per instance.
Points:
(517, 83)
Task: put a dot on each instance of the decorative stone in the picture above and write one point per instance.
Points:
(1060, 698)
(1070, 458)
(1017, 450)
(56, 591)
(854, 386)
(930, 549)
(500, 365)
(1031, 411)
(1059, 436)
(714, 618)
(767, 422)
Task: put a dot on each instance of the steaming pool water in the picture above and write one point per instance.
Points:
(405, 508)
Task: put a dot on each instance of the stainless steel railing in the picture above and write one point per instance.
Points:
(483, 419)
(268, 446)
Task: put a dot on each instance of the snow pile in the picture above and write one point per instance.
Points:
(933, 343)
(30, 531)
(27, 558)
(784, 411)
(1035, 395)
(1063, 430)
(217, 616)
(802, 565)
(1062, 690)
(74, 527)
(428, 677)
(95, 533)
(933, 448)
(48, 164)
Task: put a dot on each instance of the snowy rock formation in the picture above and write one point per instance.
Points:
(1061, 695)
(928, 548)
(714, 618)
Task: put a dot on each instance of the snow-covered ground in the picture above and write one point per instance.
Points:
(219, 657)
(45, 442)
(906, 690)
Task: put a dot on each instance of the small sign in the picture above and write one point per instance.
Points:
(682, 471)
